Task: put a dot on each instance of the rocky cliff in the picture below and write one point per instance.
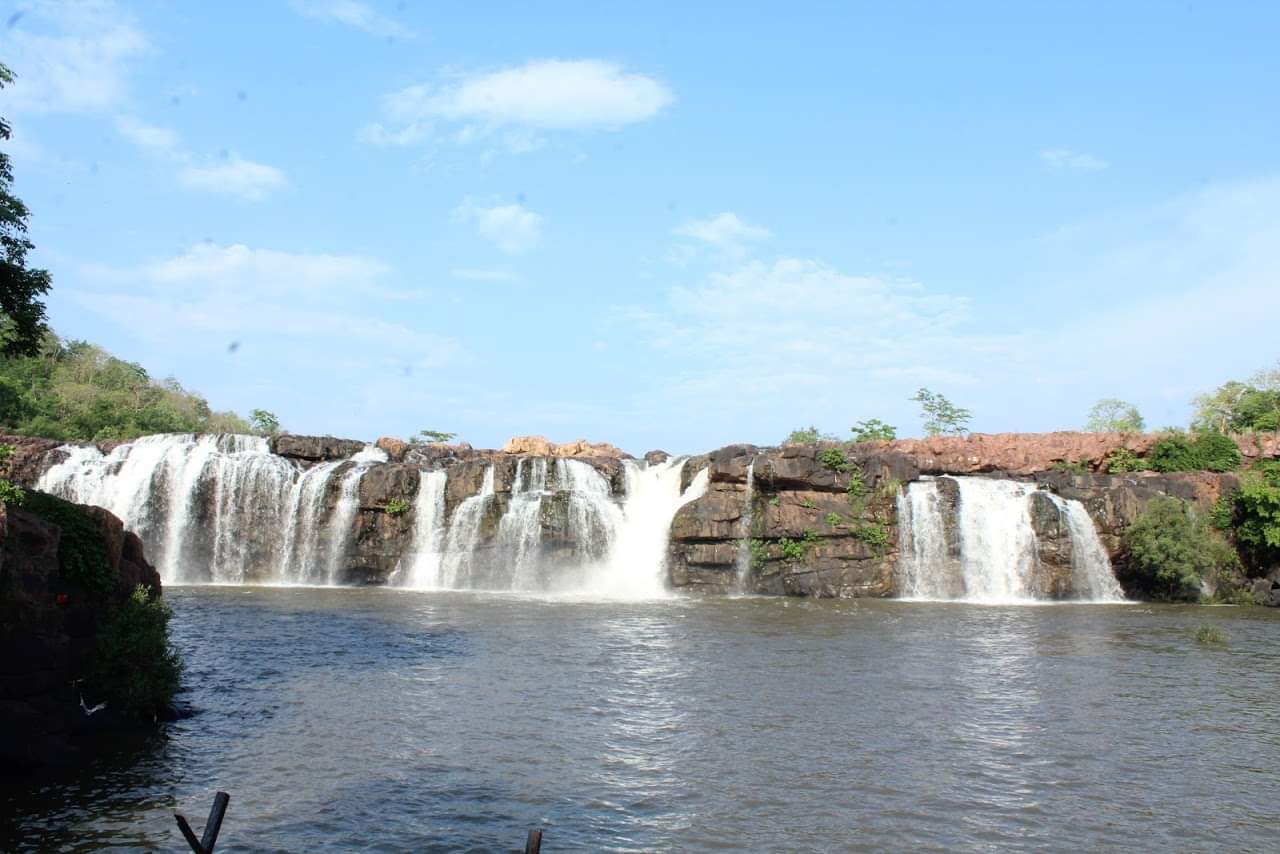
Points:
(53, 603)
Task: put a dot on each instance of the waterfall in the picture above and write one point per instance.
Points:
(426, 552)
(218, 508)
(520, 530)
(999, 552)
(744, 545)
(464, 535)
(922, 543)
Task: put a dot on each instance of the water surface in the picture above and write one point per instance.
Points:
(385, 720)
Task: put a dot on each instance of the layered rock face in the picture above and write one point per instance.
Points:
(48, 621)
(798, 529)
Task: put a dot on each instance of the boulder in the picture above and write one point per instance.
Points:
(315, 448)
(394, 448)
(539, 446)
(656, 458)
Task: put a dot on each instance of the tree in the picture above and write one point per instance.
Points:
(941, 416)
(1216, 411)
(1174, 550)
(22, 316)
(264, 423)
(437, 436)
(1237, 407)
(806, 436)
(1110, 415)
(873, 430)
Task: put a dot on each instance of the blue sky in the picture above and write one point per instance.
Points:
(661, 227)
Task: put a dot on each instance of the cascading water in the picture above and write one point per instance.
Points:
(421, 567)
(743, 562)
(464, 534)
(999, 552)
(218, 508)
(520, 530)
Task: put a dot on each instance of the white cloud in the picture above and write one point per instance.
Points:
(356, 15)
(512, 228)
(1065, 158)
(149, 137)
(541, 95)
(376, 133)
(234, 177)
(70, 57)
(725, 231)
(484, 275)
(294, 311)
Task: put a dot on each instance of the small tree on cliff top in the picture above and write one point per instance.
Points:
(941, 416)
(1114, 416)
(437, 436)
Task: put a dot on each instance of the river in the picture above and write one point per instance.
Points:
(386, 720)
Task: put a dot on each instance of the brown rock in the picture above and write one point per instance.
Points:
(394, 448)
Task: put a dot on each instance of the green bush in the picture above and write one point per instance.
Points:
(1122, 460)
(82, 553)
(11, 495)
(810, 435)
(1211, 635)
(798, 549)
(132, 664)
(873, 534)
(1173, 550)
(834, 520)
(834, 459)
(857, 487)
(759, 553)
(1207, 451)
(397, 506)
(1080, 467)
(873, 430)
(1257, 514)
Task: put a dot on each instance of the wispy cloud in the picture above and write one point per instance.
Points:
(519, 102)
(356, 15)
(484, 275)
(70, 57)
(726, 232)
(512, 228)
(233, 177)
(308, 312)
(1065, 158)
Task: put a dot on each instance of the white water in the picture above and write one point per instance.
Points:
(999, 552)
(744, 545)
(464, 534)
(422, 565)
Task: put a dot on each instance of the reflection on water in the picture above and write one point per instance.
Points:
(385, 720)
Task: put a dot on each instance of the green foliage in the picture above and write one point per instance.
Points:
(1122, 460)
(806, 436)
(78, 392)
(941, 416)
(437, 436)
(759, 553)
(873, 430)
(807, 503)
(22, 313)
(1206, 451)
(889, 488)
(264, 423)
(397, 506)
(834, 459)
(132, 664)
(82, 553)
(834, 519)
(857, 488)
(798, 549)
(1173, 550)
(1114, 416)
(1211, 635)
(1223, 512)
(775, 500)
(11, 495)
(1081, 467)
(873, 534)
(1239, 407)
(1257, 514)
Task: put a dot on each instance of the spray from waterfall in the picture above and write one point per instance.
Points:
(743, 561)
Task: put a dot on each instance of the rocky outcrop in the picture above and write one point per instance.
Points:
(800, 530)
(314, 449)
(1026, 454)
(538, 446)
(48, 621)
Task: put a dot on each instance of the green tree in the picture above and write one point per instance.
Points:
(1114, 416)
(1257, 514)
(806, 436)
(437, 436)
(264, 423)
(941, 417)
(873, 430)
(1173, 549)
(22, 315)
(1239, 407)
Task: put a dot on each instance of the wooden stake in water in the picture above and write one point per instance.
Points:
(211, 827)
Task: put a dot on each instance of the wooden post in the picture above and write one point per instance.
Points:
(211, 827)
(533, 845)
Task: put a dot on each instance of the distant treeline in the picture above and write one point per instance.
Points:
(76, 391)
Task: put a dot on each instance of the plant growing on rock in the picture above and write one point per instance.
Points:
(1078, 467)
(1174, 550)
(834, 459)
(132, 666)
(1206, 451)
(264, 423)
(1256, 514)
(397, 506)
(806, 436)
(11, 495)
(873, 534)
(1114, 416)
(759, 550)
(798, 549)
(1122, 460)
(873, 430)
(807, 503)
(857, 487)
(437, 436)
(834, 520)
(1210, 635)
(941, 416)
